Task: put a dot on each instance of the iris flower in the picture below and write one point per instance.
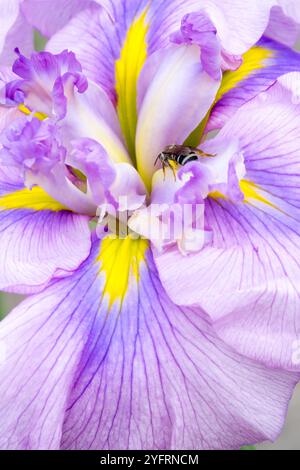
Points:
(149, 340)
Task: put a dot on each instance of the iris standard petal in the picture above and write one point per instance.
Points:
(49, 16)
(238, 27)
(14, 31)
(290, 8)
(117, 37)
(283, 28)
(116, 365)
(92, 115)
(176, 94)
(247, 279)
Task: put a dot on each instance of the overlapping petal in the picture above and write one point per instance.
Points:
(39, 244)
(247, 279)
(167, 116)
(49, 16)
(46, 82)
(104, 357)
(262, 65)
(92, 115)
(39, 237)
(14, 31)
(146, 374)
(19, 18)
(282, 28)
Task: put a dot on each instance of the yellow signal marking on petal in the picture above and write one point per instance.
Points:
(250, 191)
(36, 199)
(217, 195)
(254, 59)
(120, 261)
(127, 71)
(25, 110)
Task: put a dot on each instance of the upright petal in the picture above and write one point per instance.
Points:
(197, 28)
(283, 28)
(49, 16)
(92, 115)
(175, 95)
(239, 27)
(118, 366)
(247, 279)
(290, 8)
(14, 31)
(117, 37)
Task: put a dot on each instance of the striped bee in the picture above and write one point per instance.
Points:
(179, 154)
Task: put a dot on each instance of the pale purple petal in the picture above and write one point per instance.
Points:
(9, 11)
(148, 375)
(20, 35)
(107, 181)
(46, 82)
(39, 245)
(175, 95)
(197, 28)
(14, 31)
(174, 385)
(247, 279)
(31, 146)
(41, 342)
(261, 74)
(48, 16)
(290, 8)
(92, 115)
(283, 28)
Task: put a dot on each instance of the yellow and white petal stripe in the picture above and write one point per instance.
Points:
(35, 199)
(120, 261)
(128, 67)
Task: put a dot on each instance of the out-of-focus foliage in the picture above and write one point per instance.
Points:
(39, 41)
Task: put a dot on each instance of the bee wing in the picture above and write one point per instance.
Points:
(203, 154)
(184, 151)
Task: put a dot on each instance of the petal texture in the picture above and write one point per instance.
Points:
(247, 279)
(48, 16)
(38, 238)
(282, 28)
(175, 94)
(37, 245)
(262, 65)
(136, 373)
(14, 31)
